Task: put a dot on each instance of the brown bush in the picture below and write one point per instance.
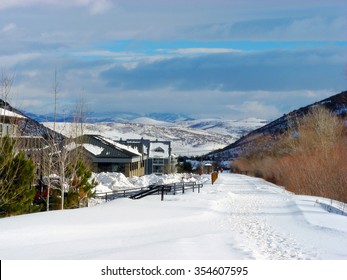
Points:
(310, 163)
(316, 174)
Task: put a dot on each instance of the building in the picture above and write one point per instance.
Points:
(9, 123)
(157, 155)
(107, 155)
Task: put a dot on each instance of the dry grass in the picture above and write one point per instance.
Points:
(311, 163)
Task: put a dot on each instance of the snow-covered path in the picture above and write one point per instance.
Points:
(238, 217)
(272, 224)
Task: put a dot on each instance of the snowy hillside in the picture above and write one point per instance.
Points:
(235, 128)
(237, 218)
(336, 104)
(188, 138)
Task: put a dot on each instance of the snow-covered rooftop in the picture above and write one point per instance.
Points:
(7, 113)
(95, 150)
(121, 146)
(158, 150)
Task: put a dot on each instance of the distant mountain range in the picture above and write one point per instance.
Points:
(213, 137)
(336, 103)
(189, 137)
(95, 117)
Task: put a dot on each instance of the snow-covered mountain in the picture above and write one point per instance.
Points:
(189, 138)
(95, 117)
(235, 128)
(336, 104)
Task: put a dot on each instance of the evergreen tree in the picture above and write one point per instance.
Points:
(81, 188)
(16, 176)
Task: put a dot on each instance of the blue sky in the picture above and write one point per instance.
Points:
(206, 58)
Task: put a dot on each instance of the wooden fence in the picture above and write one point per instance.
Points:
(162, 190)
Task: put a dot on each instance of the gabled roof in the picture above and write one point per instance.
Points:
(159, 149)
(10, 114)
(102, 147)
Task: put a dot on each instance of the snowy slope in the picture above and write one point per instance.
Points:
(188, 138)
(337, 104)
(238, 217)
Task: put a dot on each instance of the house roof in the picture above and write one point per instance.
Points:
(119, 146)
(104, 148)
(159, 149)
(7, 113)
(156, 149)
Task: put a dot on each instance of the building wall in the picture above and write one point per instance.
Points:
(134, 169)
(8, 129)
(151, 152)
(128, 169)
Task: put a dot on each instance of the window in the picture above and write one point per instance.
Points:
(159, 150)
(134, 166)
(158, 169)
(159, 161)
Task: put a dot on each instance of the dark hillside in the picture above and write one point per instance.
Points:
(336, 103)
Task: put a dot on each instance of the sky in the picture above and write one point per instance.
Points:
(204, 58)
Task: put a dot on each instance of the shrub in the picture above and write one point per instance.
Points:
(309, 159)
(16, 176)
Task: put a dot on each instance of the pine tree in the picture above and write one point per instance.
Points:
(81, 188)
(16, 176)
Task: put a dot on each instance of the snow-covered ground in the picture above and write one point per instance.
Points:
(239, 218)
(188, 138)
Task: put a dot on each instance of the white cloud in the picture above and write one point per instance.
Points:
(195, 66)
(11, 60)
(8, 27)
(99, 6)
(94, 6)
(203, 51)
(255, 108)
(314, 28)
(5, 4)
(129, 60)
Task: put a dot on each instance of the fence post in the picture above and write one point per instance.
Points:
(183, 187)
(162, 193)
(214, 177)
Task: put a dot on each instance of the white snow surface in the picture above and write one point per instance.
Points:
(7, 113)
(238, 217)
(95, 150)
(113, 181)
(196, 137)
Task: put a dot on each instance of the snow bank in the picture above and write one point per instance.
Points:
(113, 181)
